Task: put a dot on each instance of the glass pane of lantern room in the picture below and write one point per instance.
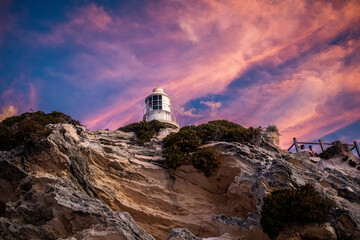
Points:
(155, 97)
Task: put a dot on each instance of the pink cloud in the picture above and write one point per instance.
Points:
(193, 49)
(313, 102)
(8, 111)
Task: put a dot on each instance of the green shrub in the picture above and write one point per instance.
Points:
(223, 130)
(144, 130)
(175, 157)
(178, 146)
(29, 128)
(284, 207)
(337, 148)
(187, 139)
(206, 160)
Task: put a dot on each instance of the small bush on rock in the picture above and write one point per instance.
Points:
(337, 148)
(222, 130)
(29, 128)
(175, 157)
(187, 139)
(206, 160)
(179, 146)
(284, 207)
(272, 128)
(144, 130)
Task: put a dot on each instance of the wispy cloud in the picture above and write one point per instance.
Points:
(289, 63)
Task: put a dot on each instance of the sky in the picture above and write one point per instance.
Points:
(290, 63)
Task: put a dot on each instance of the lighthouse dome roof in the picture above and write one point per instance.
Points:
(158, 90)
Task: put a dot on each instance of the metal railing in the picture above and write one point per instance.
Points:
(322, 144)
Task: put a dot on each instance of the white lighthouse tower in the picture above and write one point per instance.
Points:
(158, 107)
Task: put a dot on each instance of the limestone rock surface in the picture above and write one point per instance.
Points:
(81, 184)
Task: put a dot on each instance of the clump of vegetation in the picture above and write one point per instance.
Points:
(29, 128)
(337, 148)
(272, 128)
(352, 163)
(345, 158)
(206, 160)
(223, 130)
(182, 147)
(284, 207)
(144, 130)
(178, 146)
(187, 139)
(175, 157)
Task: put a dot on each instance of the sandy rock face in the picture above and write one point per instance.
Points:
(48, 193)
(101, 185)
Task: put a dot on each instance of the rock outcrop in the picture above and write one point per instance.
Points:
(101, 185)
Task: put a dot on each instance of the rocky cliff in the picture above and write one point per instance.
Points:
(81, 184)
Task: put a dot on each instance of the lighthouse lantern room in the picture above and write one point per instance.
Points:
(158, 107)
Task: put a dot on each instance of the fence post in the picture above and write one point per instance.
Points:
(357, 148)
(321, 145)
(291, 146)
(296, 145)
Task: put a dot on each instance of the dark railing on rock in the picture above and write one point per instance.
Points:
(322, 144)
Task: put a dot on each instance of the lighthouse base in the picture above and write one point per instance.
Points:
(170, 124)
(161, 116)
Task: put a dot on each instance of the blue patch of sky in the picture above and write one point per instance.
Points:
(38, 14)
(254, 74)
(10, 56)
(199, 107)
(352, 132)
(75, 101)
(111, 5)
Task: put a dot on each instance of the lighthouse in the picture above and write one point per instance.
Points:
(158, 107)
